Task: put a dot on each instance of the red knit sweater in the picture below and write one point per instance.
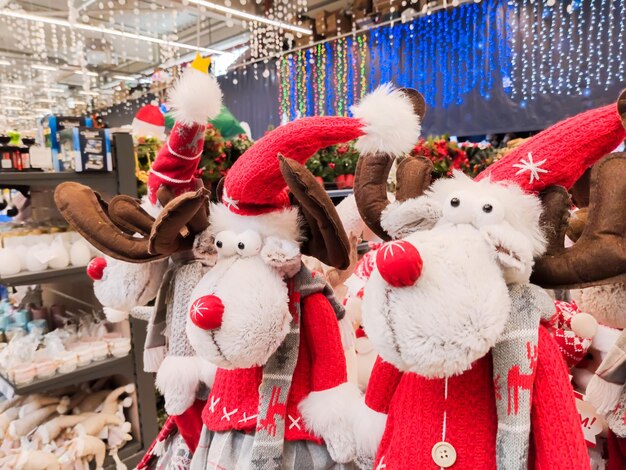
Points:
(234, 398)
(415, 408)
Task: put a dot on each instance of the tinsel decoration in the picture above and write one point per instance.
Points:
(524, 48)
(469, 40)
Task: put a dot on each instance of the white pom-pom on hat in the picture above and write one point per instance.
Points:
(391, 123)
(195, 98)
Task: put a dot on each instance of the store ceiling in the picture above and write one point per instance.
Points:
(43, 64)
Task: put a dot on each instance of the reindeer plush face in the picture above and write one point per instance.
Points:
(251, 317)
(472, 238)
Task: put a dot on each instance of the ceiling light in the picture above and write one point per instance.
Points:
(80, 72)
(13, 98)
(12, 108)
(89, 93)
(14, 85)
(43, 110)
(4, 62)
(45, 100)
(251, 17)
(125, 77)
(80, 103)
(54, 90)
(47, 68)
(98, 29)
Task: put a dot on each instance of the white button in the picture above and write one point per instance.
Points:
(444, 454)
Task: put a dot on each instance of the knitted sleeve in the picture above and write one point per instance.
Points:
(382, 385)
(321, 330)
(557, 432)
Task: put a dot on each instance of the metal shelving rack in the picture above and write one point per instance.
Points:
(119, 181)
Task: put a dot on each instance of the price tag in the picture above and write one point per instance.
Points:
(590, 421)
(6, 388)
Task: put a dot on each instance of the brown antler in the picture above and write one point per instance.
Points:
(556, 203)
(413, 178)
(86, 212)
(169, 232)
(599, 255)
(370, 189)
(126, 212)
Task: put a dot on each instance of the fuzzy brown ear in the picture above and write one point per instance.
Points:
(86, 212)
(327, 240)
(169, 232)
(126, 212)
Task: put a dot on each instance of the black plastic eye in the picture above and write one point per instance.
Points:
(219, 244)
(487, 208)
(241, 245)
(455, 202)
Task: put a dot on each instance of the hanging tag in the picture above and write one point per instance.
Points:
(591, 422)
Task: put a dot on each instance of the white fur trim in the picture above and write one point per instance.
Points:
(152, 358)
(369, 427)
(144, 129)
(602, 394)
(178, 379)
(323, 410)
(391, 124)
(282, 224)
(152, 209)
(113, 315)
(195, 98)
(329, 414)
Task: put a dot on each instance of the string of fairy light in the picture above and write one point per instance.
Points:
(522, 48)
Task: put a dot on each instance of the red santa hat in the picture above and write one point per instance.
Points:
(149, 121)
(195, 98)
(560, 154)
(385, 121)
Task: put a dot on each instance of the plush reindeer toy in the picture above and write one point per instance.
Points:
(149, 252)
(280, 397)
(467, 378)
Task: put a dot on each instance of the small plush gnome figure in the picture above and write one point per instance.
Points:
(157, 260)
(280, 399)
(467, 376)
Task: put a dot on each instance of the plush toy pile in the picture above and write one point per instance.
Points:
(249, 338)
(67, 429)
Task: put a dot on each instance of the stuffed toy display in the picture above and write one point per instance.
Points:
(467, 377)
(281, 399)
(149, 252)
(67, 429)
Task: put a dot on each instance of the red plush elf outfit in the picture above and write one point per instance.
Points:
(415, 407)
(234, 399)
(454, 421)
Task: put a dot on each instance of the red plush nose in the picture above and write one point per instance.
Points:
(95, 268)
(206, 312)
(399, 263)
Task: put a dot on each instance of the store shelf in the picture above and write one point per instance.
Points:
(113, 366)
(49, 275)
(42, 178)
(336, 193)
